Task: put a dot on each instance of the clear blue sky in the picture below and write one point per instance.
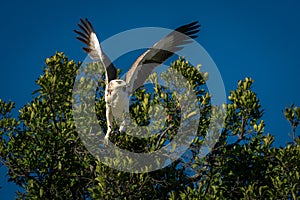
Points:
(258, 39)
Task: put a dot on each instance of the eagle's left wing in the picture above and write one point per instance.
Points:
(88, 36)
(158, 53)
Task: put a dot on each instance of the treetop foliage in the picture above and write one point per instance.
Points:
(45, 156)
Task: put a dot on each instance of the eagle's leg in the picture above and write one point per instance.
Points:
(124, 123)
(109, 121)
(125, 118)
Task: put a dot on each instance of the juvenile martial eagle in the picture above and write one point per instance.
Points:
(117, 91)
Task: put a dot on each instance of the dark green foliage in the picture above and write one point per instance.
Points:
(45, 156)
(243, 164)
(43, 153)
(292, 114)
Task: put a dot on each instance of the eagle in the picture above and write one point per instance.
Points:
(117, 91)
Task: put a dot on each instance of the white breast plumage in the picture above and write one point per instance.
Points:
(116, 97)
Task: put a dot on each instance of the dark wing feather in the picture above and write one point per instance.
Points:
(88, 36)
(158, 53)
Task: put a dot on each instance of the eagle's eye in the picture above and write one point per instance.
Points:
(119, 82)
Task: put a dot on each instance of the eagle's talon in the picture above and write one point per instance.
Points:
(122, 129)
(106, 138)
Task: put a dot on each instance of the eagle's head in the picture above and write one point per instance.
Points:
(117, 85)
(116, 90)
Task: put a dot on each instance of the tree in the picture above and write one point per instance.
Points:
(41, 149)
(243, 164)
(45, 155)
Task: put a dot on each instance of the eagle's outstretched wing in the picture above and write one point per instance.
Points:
(158, 53)
(88, 36)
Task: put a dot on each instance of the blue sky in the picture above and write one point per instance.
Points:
(257, 39)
